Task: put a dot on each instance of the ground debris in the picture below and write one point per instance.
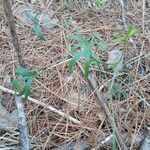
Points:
(8, 120)
(146, 143)
(82, 145)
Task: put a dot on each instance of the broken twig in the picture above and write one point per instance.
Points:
(44, 105)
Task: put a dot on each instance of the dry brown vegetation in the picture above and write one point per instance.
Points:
(71, 93)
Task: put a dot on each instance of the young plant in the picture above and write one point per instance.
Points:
(36, 24)
(83, 50)
(22, 84)
(125, 38)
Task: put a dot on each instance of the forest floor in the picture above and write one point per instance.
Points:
(66, 112)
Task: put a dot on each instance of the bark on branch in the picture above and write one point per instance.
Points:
(20, 106)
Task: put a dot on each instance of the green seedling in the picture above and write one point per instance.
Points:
(83, 50)
(126, 38)
(36, 24)
(22, 84)
(100, 2)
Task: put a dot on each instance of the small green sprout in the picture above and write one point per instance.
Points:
(100, 2)
(126, 38)
(22, 84)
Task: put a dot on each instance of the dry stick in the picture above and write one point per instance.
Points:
(9, 16)
(106, 110)
(107, 113)
(20, 106)
(143, 16)
(123, 14)
(44, 105)
(22, 123)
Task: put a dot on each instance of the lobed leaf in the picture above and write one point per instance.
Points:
(23, 83)
(83, 50)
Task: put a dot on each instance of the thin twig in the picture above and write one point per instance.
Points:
(143, 16)
(44, 105)
(123, 14)
(107, 112)
(9, 16)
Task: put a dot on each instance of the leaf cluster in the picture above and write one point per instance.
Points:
(22, 84)
(83, 50)
(131, 31)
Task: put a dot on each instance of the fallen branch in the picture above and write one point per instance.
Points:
(22, 124)
(44, 105)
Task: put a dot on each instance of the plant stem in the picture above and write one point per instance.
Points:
(49, 107)
(9, 16)
(20, 106)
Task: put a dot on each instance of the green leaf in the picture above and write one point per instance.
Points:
(26, 90)
(32, 17)
(72, 63)
(95, 57)
(25, 73)
(117, 38)
(83, 50)
(129, 34)
(87, 68)
(76, 58)
(100, 42)
(17, 83)
(22, 84)
(79, 38)
(100, 2)
(38, 32)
